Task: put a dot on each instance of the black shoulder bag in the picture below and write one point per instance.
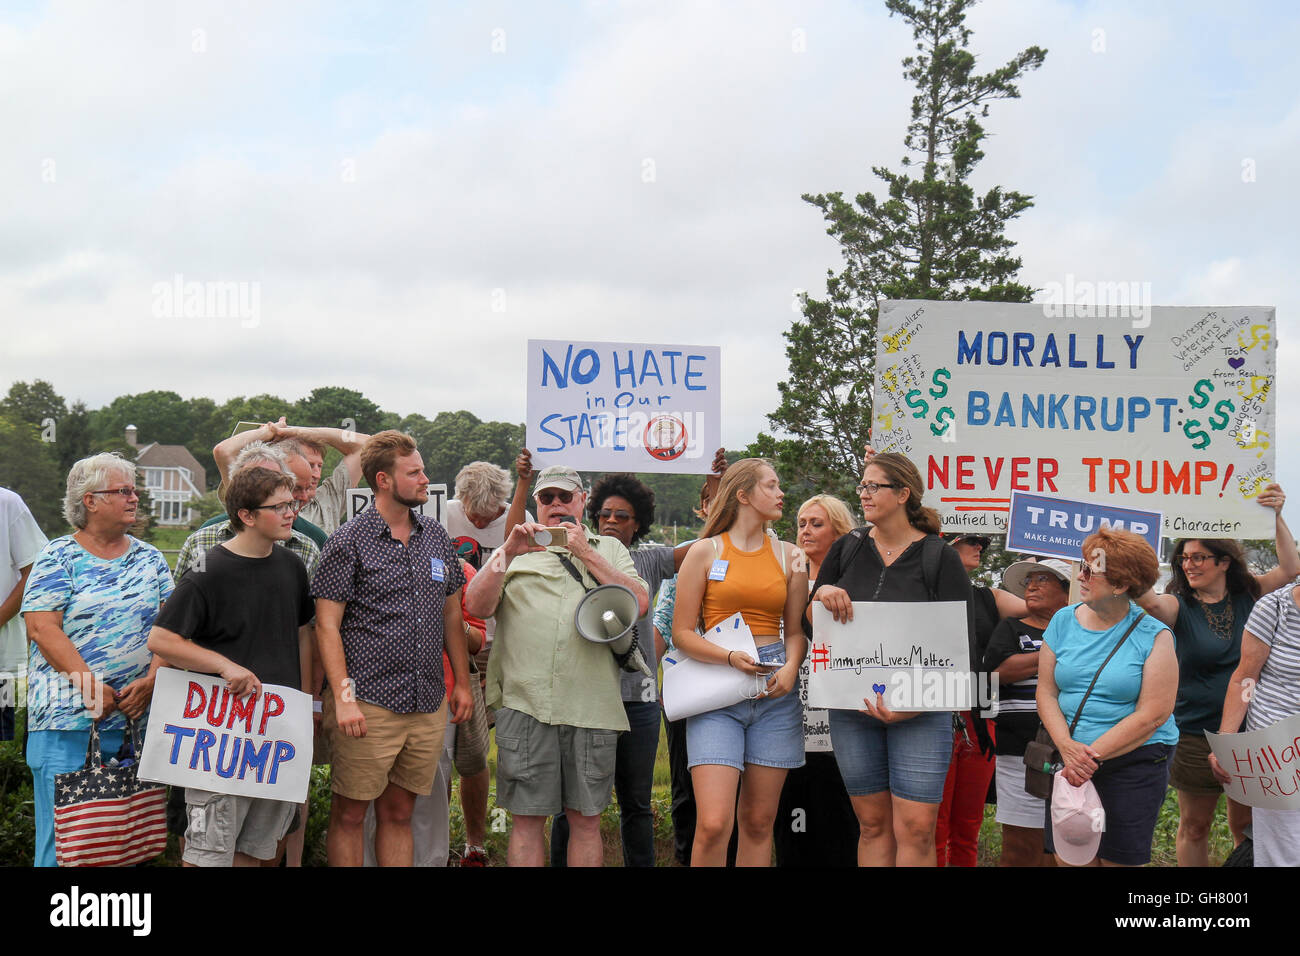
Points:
(1042, 759)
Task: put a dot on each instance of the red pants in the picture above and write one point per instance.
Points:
(957, 833)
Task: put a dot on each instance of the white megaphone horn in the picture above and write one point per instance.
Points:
(608, 615)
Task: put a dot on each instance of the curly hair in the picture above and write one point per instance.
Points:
(626, 486)
(1126, 559)
(1239, 580)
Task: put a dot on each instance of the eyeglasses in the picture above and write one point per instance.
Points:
(546, 497)
(1196, 560)
(871, 487)
(124, 492)
(282, 509)
(605, 514)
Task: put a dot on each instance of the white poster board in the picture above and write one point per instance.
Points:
(695, 687)
(200, 735)
(621, 406)
(915, 653)
(359, 500)
(1264, 764)
(1164, 409)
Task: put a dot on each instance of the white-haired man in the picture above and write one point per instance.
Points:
(559, 710)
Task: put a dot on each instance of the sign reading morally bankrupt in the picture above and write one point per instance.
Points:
(1164, 409)
(617, 406)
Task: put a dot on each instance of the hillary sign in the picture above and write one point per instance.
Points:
(1169, 410)
(617, 406)
(201, 735)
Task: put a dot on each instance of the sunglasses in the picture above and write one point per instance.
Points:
(546, 497)
(1086, 572)
(605, 514)
(124, 492)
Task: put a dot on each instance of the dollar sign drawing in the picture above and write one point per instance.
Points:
(1219, 420)
(1200, 396)
(1199, 437)
(914, 400)
(941, 388)
(941, 420)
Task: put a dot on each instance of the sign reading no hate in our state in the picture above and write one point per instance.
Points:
(201, 735)
(1163, 409)
(913, 653)
(620, 406)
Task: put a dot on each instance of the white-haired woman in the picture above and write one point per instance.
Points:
(90, 601)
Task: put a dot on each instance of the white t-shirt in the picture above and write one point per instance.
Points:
(327, 508)
(21, 540)
(489, 538)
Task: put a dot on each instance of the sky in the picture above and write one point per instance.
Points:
(411, 191)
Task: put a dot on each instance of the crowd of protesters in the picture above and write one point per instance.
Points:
(421, 639)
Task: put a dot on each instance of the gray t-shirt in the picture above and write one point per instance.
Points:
(326, 509)
(654, 562)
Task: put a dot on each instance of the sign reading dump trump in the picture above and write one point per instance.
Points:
(1264, 764)
(1169, 409)
(201, 735)
(914, 653)
(618, 406)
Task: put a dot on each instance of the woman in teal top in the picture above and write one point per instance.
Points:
(1126, 732)
(1207, 604)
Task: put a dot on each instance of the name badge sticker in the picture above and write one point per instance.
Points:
(438, 569)
(719, 570)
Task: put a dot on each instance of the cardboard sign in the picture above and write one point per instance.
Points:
(359, 500)
(1264, 764)
(915, 653)
(816, 721)
(618, 406)
(1163, 409)
(200, 735)
(1057, 527)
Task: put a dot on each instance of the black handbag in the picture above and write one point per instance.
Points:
(1042, 759)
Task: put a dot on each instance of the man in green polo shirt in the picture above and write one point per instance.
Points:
(558, 707)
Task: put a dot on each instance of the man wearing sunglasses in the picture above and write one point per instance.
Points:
(559, 710)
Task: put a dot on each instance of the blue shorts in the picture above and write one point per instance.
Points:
(909, 759)
(766, 732)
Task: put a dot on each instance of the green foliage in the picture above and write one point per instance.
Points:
(158, 416)
(17, 814)
(454, 439)
(929, 237)
(33, 403)
(334, 407)
(30, 468)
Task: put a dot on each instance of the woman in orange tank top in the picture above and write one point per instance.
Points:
(736, 567)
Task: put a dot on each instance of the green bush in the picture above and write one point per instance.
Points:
(17, 810)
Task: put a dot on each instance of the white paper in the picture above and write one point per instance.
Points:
(1264, 764)
(914, 652)
(254, 748)
(695, 687)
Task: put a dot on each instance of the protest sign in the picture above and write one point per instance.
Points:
(359, 500)
(915, 653)
(200, 735)
(1057, 527)
(1170, 409)
(1264, 764)
(816, 721)
(618, 406)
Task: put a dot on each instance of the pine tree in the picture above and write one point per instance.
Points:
(931, 237)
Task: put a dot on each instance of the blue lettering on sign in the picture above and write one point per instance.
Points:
(718, 571)
(573, 368)
(179, 734)
(692, 373)
(1078, 412)
(256, 758)
(1019, 347)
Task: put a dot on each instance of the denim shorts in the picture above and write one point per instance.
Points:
(766, 732)
(909, 758)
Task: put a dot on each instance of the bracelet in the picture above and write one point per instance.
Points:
(729, 653)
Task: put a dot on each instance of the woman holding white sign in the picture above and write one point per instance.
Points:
(1264, 690)
(1107, 679)
(1207, 604)
(893, 764)
(737, 566)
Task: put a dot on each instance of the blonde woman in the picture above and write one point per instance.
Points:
(737, 566)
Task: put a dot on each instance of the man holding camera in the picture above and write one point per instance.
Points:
(559, 710)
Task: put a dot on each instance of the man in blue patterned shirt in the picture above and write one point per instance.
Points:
(387, 592)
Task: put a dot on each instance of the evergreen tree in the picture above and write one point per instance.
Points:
(930, 237)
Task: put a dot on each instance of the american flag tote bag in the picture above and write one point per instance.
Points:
(103, 815)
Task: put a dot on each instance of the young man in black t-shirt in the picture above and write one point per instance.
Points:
(242, 617)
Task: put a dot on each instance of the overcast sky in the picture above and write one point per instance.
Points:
(416, 189)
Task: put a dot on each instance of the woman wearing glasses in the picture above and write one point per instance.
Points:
(89, 605)
(893, 764)
(1121, 737)
(737, 568)
(1207, 603)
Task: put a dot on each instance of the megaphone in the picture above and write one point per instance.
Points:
(607, 615)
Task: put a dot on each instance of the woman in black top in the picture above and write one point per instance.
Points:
(893, 764)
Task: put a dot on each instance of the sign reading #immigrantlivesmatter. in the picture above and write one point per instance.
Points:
(620, 406)
(201, 735)
(1167, 409)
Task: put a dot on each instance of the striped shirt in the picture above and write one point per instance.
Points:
(1276, 621)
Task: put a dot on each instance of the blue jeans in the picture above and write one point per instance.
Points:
(633, 781)
(51, 752)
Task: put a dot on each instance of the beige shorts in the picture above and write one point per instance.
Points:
(398, 748)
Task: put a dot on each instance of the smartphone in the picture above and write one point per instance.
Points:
(550, 537)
